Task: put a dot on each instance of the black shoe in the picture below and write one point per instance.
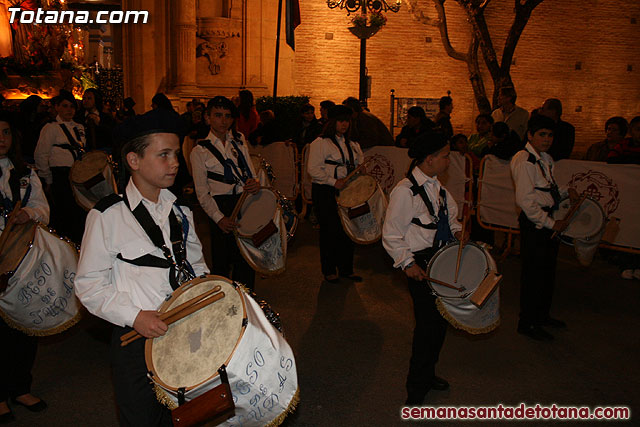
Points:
(36, 407)
(415, 399)
(332, 278)
(7, 418)
(535, 332)
(555, 323)
(353, 277)
(439, 384)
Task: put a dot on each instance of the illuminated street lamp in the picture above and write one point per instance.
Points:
(365, 25)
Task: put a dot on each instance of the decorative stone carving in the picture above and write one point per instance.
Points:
(212, 44)
(214, 52)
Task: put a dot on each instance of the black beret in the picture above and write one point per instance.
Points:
(154, 121)
(65, 95)
(340, 112)
(426, 144)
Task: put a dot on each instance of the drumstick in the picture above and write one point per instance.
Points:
(356, 170)
(177, 309)
(184, 313)
(464, 226)
(440, 282)
(9, 224)
(236, 209)
(572, 211)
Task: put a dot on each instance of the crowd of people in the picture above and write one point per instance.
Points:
(150, 149)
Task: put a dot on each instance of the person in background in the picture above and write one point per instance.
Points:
(538, 195)
(98, 124)
(417, 123)
(366, 128)
(504, 142)
(324, 111)
(443, 118)
(481, 139)
(309, 128)
(331, 158)
(127, 110)
(161, 101)
(514, 116)
(616, 129)
(248, 119)
(268, 131)
(17, 183)
(564, 134)
(627, 151)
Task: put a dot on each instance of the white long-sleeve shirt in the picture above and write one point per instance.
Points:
(526, 177)
(37, 206)
(114, 289)
(47, 155)
(202, 161)
(324, 149)
(517, 119)
(400, 237)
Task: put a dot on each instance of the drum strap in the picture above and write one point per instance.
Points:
(14, 185)
(443, 230)
(350, 163)
(74, 146)
(179, 268)
(232, 175)
(553, 186)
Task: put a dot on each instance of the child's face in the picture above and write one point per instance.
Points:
(5, 139)
(541, 140)
(66, 110)
(461, 145)
(437, 162)
(308, 116)
(220, 120)
(158, 166)
(342, 126)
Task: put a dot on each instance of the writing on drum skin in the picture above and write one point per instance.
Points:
(261, 401)
(48, 301)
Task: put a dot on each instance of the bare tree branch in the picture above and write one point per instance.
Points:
(444, 33)
(523, 8)
(418, 14)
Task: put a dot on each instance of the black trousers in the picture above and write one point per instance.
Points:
(227, 259)
(336, 248)
(136, 400)
(16, 360)
(428, 335)
(67, 216)
(539, 254)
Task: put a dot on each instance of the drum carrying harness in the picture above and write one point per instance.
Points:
(350, 163)
(74, 147)
(14, 185)
(232, 175)
(441, 225)
(553, 187)
(179, 268)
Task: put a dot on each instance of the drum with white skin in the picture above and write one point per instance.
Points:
(233, 332)
(455, 305)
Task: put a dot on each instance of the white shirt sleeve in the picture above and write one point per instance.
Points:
(358, 154)
(320, 172)
(396, 226)
(43, 151)
(94, 285)
(206, 200)
(524, 174)
(37, 206)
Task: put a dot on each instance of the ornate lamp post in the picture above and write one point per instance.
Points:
(369, 22)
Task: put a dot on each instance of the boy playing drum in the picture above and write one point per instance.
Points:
(138, 248)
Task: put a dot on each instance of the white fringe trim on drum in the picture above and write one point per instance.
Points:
(290, 410)
(41, 333)
(475, 331)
